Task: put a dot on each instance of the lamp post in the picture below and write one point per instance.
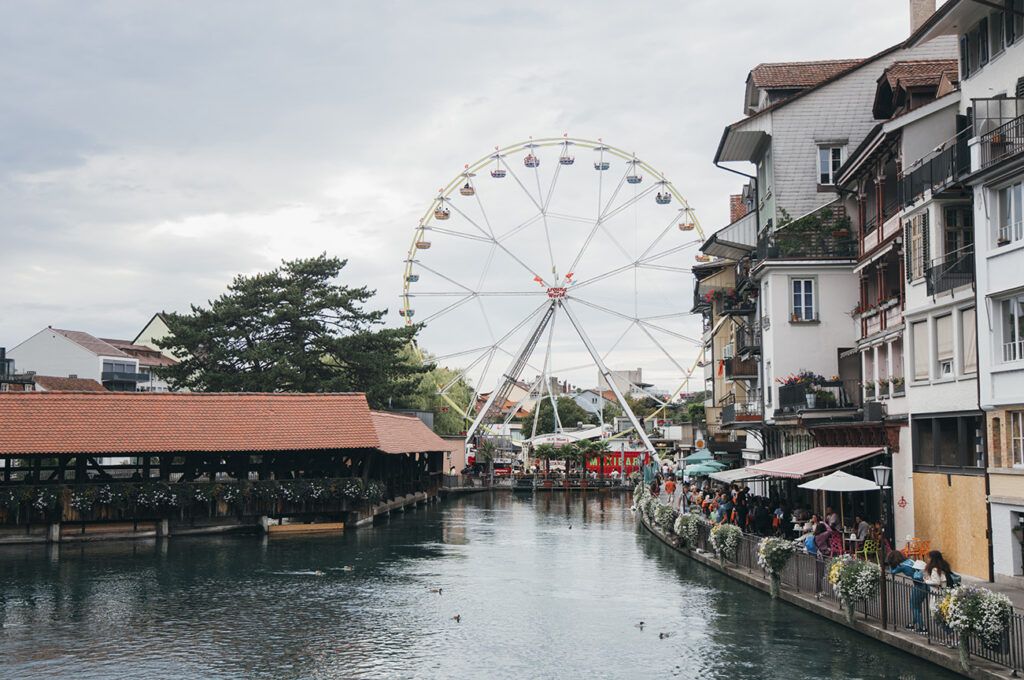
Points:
(883, 475)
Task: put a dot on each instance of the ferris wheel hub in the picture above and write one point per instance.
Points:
(556, 292)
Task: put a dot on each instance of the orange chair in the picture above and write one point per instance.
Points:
(918, 548)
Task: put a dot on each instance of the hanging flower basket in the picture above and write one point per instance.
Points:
(772, 556)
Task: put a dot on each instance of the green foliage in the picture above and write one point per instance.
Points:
(424, 397)
(293, 329)
(569, 413)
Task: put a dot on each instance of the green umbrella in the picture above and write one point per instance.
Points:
(715, 464)
(698, 470)
(699, 457)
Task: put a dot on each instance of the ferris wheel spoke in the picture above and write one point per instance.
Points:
(487, 321)
(666, 253)
(521, 185)
(459, 234)
(453, 355)
(666, 268)
(664, 231)
(465, 371)
(547, 230)
(629, 202)
(551, 189)
(662, 348)
(480, 204)
(602, 276)
(452, 307)
(519, 227)
(469, 291)
(476, 389)
(572, 218)
(491, 239)
(490, 293)
(673, 315)
(638, 320)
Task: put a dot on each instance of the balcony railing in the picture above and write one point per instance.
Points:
(999, 125)
(740, 368)
(744, 411)
(748, 339)
(807, 245)
(936, 171)
(833, 394)
(951, 271)
(122, 376)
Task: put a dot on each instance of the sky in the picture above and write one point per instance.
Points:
(149, 152)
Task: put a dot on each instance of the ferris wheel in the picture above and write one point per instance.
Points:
(544, 260)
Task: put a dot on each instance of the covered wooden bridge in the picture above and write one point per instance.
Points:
(188, 462)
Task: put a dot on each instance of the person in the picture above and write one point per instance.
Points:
(670, 490)
(811, 525)
(655, 488)
(823, 539)
(727, 506)
(863, 528)
(762, 519)
(938, 575)
(831, 518)
(741, 512)
(811, 540)
(899, 563)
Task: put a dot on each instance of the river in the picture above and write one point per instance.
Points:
(547, 587)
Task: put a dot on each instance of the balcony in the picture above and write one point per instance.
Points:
(999, 126)
(121, 376)
(741, 369)
(748, 411)
(820, 235)
(936, 171)
(829, 395)
(951, 271)
(886, 315)
(748, 340)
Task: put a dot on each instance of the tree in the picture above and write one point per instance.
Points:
(611, 412)
(569, 413)
(293, 329)
(595, 449)
(448, 419)
(545, 452)
(573, 453)
(485, 452)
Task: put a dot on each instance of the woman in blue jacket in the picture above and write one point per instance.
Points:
(900, 564)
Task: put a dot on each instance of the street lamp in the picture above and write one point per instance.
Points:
(881, 474)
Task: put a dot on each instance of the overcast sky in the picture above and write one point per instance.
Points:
(151, 151)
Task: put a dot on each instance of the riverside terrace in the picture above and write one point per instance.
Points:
(125, 465)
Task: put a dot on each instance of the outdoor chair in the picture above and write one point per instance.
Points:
(835, 545)
(871, 548)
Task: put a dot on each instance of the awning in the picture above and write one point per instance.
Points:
(730, 476)
(818, 459)
(734, 241)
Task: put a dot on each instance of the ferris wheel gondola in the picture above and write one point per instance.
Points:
(564, 158)
(601, 164)
(664, 196)
(498, 172)
(634, 177)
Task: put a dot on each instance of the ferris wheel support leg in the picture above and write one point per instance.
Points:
(608, 378)
(514, 369)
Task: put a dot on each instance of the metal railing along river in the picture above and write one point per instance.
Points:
(892, 607)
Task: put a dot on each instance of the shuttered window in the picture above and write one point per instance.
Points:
(921, 361)
(944, 338)
(917, 252)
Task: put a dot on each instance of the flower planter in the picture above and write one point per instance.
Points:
(812, 400)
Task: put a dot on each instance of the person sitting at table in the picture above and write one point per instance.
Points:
(831, 518)
(811, 540)
(863, 528)
(811, 525)
(823, 540)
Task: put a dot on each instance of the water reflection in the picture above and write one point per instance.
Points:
(545, 586)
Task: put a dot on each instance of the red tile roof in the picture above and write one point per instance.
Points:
(119, 422)
(400, 433)
(147, 356)
(91, 343)
(798, 74)
(52, 383)
(920, 73)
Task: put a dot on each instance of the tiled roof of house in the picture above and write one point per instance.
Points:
(798, 74)
(52, 383)
(147, 356)
(920, 73)
(119, 422)
(399, 433)
(91, 343)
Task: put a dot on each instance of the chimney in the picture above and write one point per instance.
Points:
(920, 10)
(737, 209)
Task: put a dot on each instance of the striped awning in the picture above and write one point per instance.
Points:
(811, 461)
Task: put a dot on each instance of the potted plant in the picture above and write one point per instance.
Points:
(897, 385)
(883, 387)
(869, 387)
(1002, 240)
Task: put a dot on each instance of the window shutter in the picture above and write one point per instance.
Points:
(921, 359)
(1020, 87)
(983, 42)
(908, 266)
(970, 341)
(925, 249)
(944, 337)
(965, 62)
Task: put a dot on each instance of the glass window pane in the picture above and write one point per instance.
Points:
(1018, 222)
(925, 454)
(920, 333)
(1008, 329)
(948, 443)
(969, 349)
(944, 337)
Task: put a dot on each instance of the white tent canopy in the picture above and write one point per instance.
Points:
(730, 476)
(842, 482)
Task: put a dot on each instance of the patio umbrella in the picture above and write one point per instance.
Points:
(714, 464)
(699, 470)
(840, 482)
(699, 456)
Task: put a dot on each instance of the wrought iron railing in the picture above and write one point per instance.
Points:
(950, 271)
(936, 171)
(999, 125)
(748, 338)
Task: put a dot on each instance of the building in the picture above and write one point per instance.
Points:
(155, 329)
(76, 354)
(629, 382)
(991, 71)
(593, 401)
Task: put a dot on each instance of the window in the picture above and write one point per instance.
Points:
(948, 443)
(768, 383)
(965, 55)
(118, 366)
(1011, 216)
(983, 42)
(959, 228)
(969, 341)
(944, 345)
(829, 160)
(917, 237)
(1012, 311)
(1017, 437)
(996, 34)
(803, 299)
(919, 329)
